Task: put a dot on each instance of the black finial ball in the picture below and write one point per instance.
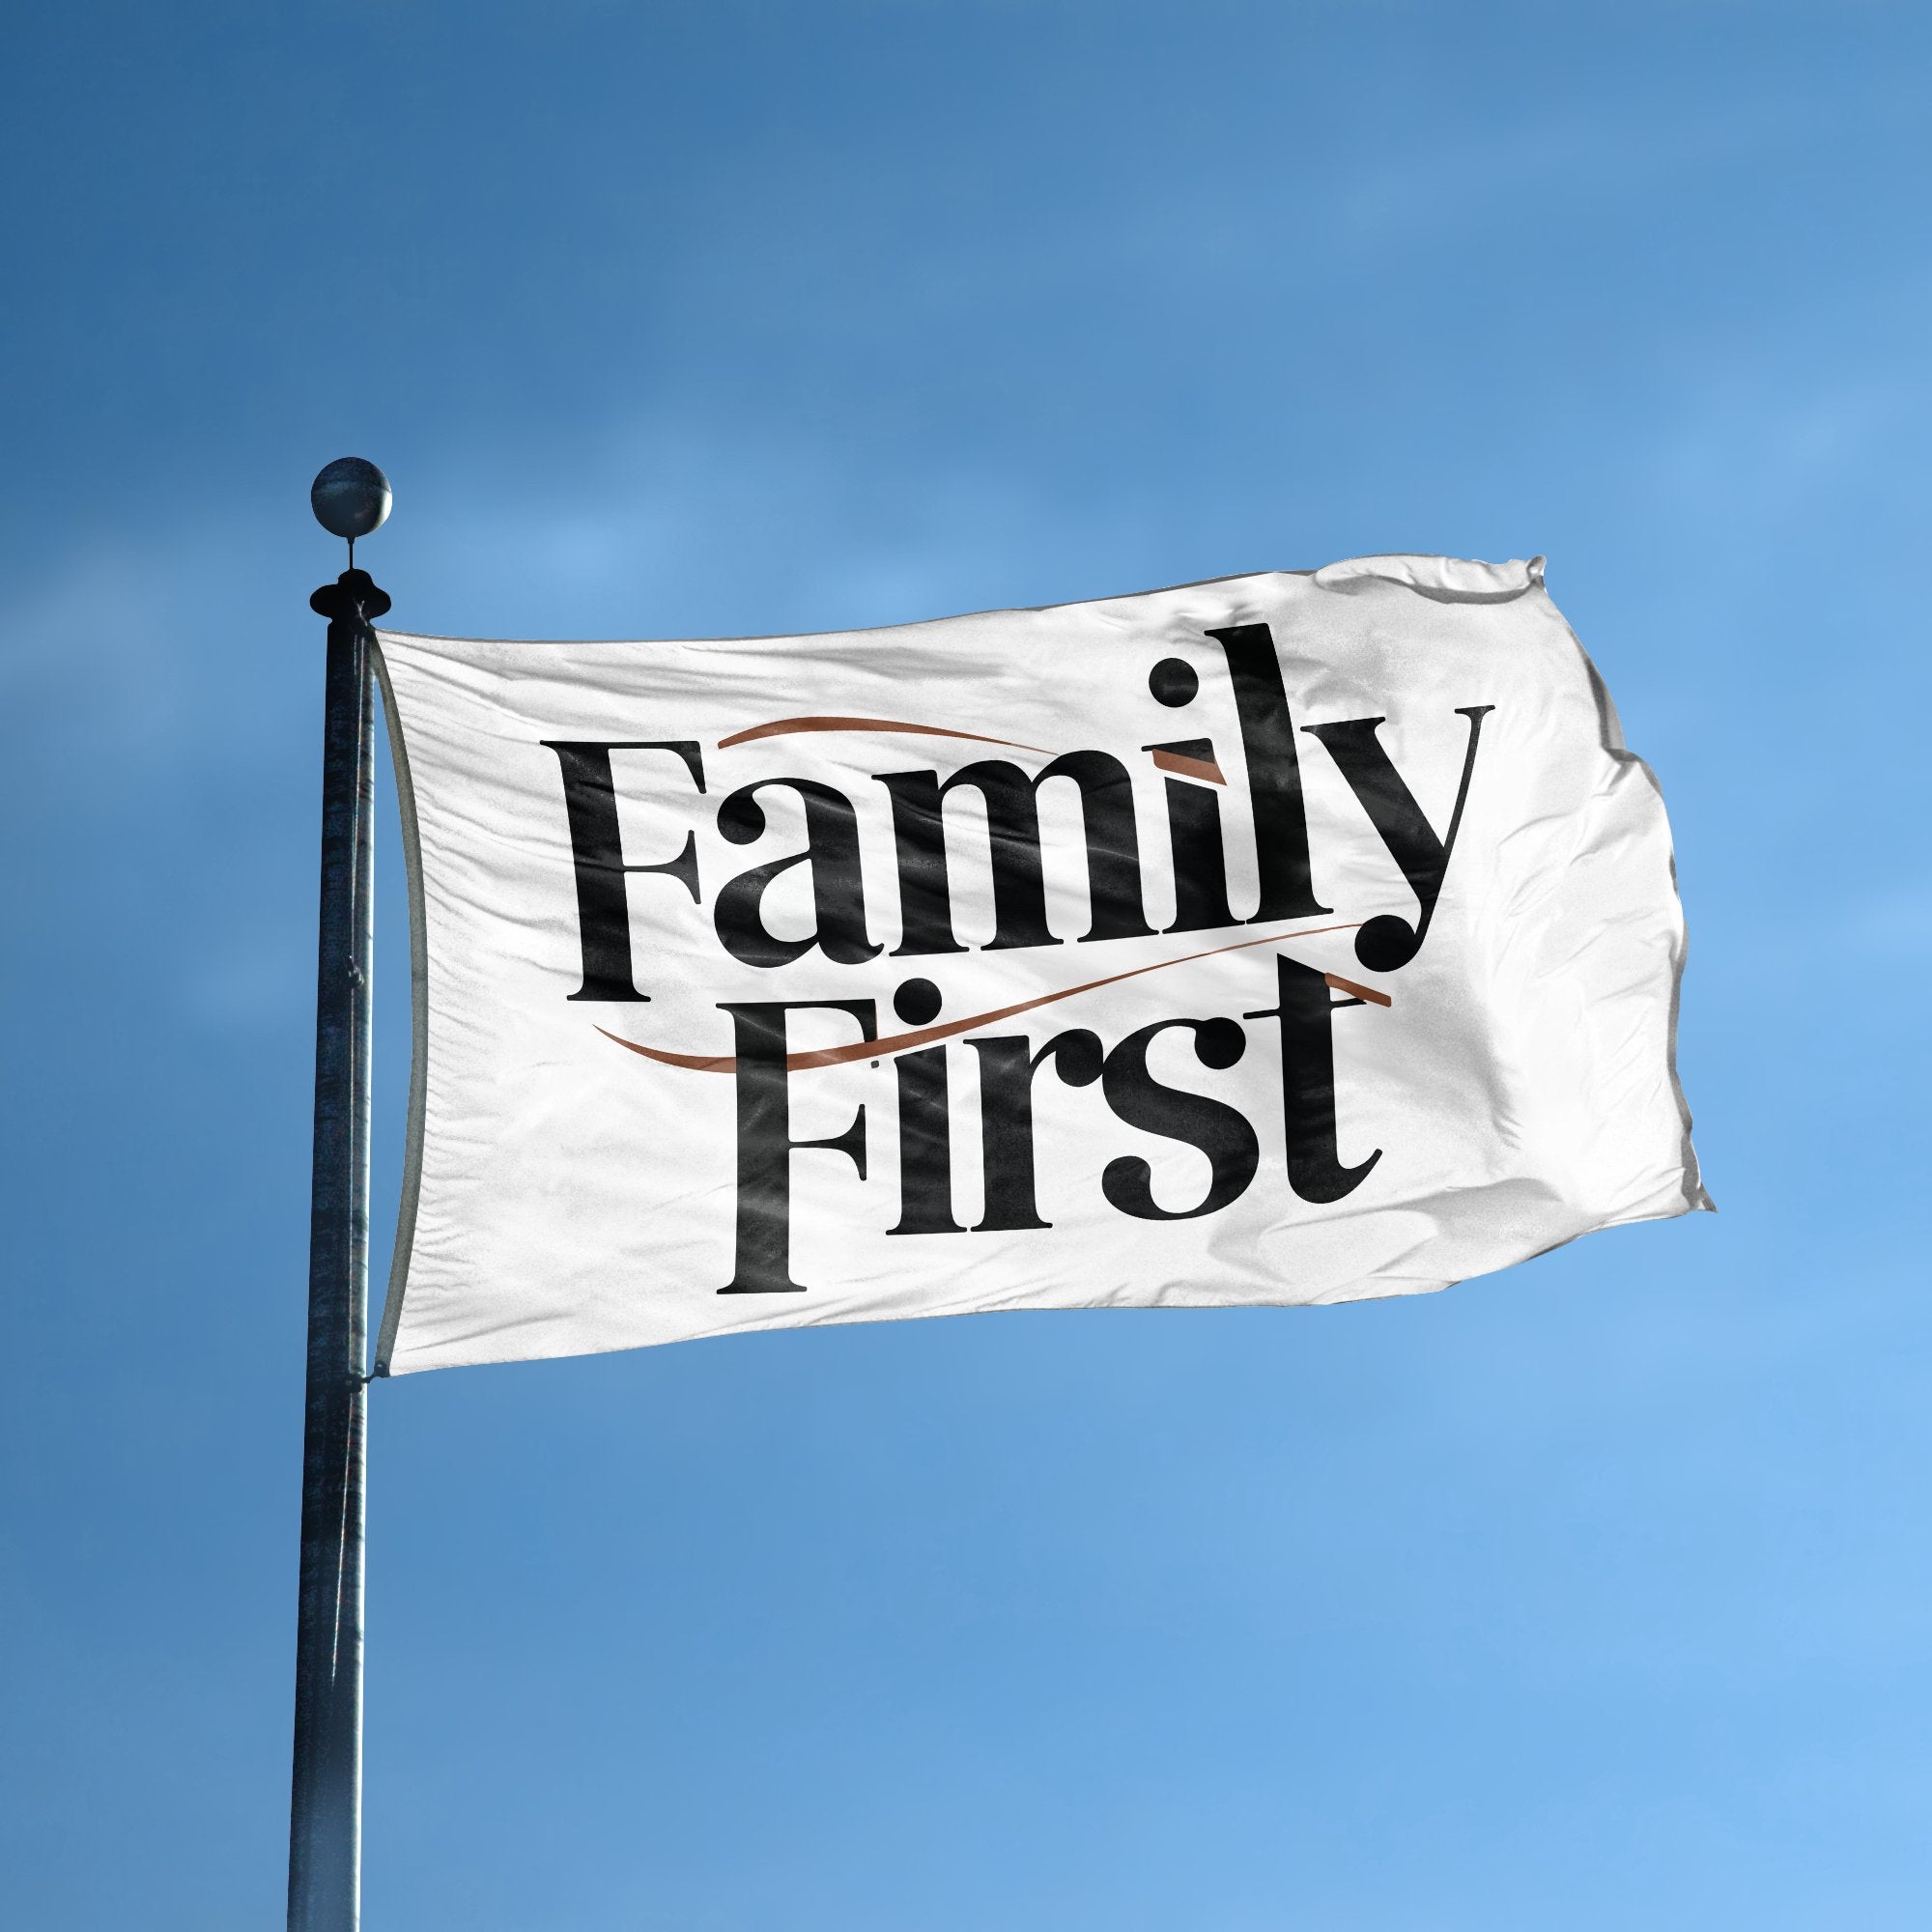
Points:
(349, 498)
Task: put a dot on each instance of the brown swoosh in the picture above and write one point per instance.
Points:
(781, 728)
(1203, 769)
(901, 1042)
(1368, 993)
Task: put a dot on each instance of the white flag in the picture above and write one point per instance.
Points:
(1289, 938)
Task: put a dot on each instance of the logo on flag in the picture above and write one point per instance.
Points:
(1291, 938)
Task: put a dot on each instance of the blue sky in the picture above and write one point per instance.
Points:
(1591, 1595)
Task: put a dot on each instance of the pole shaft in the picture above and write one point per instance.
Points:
(326, 1818)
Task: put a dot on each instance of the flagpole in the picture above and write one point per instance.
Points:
(351, 498)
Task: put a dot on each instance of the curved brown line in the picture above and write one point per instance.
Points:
(903, 1043)
(782, 727)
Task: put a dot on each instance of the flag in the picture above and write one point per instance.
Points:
(1292, 938)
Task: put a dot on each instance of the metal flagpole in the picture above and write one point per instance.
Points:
(351, 497)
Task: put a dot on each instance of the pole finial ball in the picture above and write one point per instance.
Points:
(349, 498)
